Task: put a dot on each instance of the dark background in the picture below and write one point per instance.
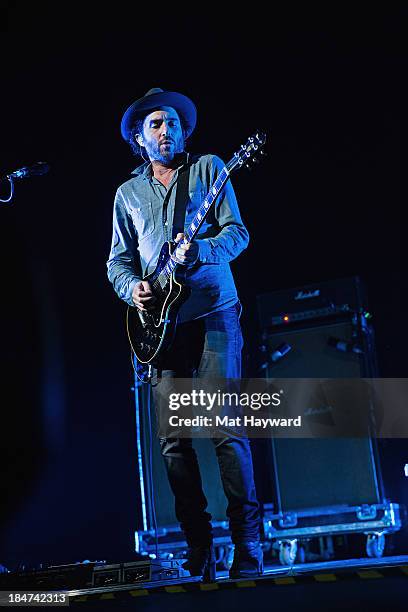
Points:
(330, 89)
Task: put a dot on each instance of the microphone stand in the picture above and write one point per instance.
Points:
(37, 169)
(11, 191)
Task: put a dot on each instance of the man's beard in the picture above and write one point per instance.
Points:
(165, 154)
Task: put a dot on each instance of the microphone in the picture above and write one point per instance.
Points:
(280, 351)
(344, 346)
(35, 170)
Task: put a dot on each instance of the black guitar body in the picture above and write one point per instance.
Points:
(151, 333)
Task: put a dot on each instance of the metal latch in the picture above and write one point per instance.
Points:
(366, 512)
(289, 519)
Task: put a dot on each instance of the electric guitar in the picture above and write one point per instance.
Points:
(151, 332)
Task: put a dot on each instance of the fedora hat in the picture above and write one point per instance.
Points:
(155, 98)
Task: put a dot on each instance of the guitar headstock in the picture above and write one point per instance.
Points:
(249, 153)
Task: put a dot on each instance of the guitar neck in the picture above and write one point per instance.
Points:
(206, 205)
(240, 158)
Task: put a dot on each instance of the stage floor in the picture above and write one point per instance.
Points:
(351, 584)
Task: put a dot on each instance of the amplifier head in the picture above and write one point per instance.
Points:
(309, 302)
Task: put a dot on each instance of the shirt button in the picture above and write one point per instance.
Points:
(166, 223)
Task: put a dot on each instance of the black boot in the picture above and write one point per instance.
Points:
(201, 562)
(248, 560)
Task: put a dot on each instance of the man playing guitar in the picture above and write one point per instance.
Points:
(208, 339)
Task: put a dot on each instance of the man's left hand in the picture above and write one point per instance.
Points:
(185, 254)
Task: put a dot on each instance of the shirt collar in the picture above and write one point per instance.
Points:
(145, 169)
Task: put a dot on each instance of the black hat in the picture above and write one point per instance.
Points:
(155, 98)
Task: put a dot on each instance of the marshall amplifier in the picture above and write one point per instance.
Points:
(310, 302)
(319, 331)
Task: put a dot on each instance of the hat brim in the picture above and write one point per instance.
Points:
(185, 108)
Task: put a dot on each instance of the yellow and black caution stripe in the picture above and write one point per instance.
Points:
(345, 574)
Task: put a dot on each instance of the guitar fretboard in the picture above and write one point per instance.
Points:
(206, 205)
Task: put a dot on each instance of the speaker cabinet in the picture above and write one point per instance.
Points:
(311, 473)
(152, 473)
(314, 473)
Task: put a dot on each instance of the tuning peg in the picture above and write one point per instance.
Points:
(260, 136)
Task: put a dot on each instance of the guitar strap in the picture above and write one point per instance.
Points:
(181, 200)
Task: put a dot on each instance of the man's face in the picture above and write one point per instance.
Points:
(162, 135)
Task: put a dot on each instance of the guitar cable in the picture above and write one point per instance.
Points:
(148, 378)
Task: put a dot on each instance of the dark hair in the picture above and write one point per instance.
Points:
(137, 128)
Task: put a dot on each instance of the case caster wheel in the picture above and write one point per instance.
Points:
(225, 556)
(301, 554)
(375, 545)
(219, 555)
(287, 552)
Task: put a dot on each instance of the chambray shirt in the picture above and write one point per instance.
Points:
(143, 221)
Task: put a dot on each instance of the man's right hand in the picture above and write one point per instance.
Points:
(142, 296)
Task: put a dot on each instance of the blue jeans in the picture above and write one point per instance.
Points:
(207, 348)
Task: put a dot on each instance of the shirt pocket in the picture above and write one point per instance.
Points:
(143, 219)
